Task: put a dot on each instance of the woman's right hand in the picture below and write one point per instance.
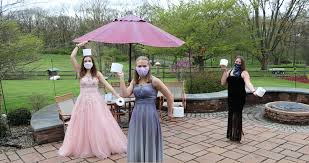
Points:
(223, 68)
(120, 75)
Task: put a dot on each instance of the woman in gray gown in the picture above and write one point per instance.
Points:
(145, 137)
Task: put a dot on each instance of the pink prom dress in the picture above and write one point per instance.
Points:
(92, 130)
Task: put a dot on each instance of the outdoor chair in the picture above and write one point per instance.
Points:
(65, 105)
(178, 91)
(116, 110)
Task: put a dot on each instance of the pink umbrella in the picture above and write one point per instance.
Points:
(131, 29)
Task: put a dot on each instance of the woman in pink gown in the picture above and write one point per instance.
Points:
(92, 130)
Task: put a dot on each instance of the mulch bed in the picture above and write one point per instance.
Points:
(19, 137)
(301, 79)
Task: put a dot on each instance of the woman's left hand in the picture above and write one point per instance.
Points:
(118, 96)
(254, 93)
(170, 115)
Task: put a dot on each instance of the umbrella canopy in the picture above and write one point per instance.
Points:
(129, 30)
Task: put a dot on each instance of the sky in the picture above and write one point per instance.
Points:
(71, 4)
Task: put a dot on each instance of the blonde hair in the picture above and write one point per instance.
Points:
(148, 76)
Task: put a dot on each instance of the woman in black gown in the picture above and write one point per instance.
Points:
(237, 79)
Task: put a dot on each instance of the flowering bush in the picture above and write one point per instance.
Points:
(302, 79)
(181, 64)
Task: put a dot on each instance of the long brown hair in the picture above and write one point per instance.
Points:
(243, 63)
(83, 70)
(148, 76)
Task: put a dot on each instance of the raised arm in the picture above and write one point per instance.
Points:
(160, 86)
(126, 92)
(107, 85)
(74, 62)
(245, 75)
(225, 74)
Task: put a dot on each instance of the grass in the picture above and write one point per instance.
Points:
(275, 82)
(18, 92)
(59, 61)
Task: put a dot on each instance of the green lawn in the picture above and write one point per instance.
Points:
(17, 92)
(275, 82)
(60, 61)
(63, 63)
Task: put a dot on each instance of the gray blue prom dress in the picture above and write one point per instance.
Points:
(145, 137)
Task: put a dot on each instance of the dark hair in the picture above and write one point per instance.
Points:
(83, 70)
(148, 76)
(243, 63)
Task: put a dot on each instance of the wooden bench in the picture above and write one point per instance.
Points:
(279, 71)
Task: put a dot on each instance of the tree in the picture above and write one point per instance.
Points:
(5, 7)
(211, 25)
(269, 22)
(17, 49)
(304, 38)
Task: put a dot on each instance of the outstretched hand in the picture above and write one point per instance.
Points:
(254, 93)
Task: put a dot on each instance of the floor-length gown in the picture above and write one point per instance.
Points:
(92, 130)
(145, 137)
(236, 102)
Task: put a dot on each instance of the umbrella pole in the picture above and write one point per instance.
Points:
(51, 60)
(190, 89)
(130, 51)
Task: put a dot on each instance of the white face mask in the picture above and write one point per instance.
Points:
(88, 65)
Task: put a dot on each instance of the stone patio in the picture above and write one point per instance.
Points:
(200, 137)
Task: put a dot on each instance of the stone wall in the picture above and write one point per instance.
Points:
(298, 118)
(213, 102)
(46, 125)
(49, 135)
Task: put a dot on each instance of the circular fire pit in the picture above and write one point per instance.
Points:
(287, 112)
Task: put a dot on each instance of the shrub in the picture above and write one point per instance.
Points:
(38, 101)
(19, 116)
(3, 126)
(205, 82)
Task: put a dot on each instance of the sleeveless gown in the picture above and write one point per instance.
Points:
(236, 102)
(92, 129)
(145, 137)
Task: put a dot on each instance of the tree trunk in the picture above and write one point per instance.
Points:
(264, 61)
(276, 60)
(201, 63)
